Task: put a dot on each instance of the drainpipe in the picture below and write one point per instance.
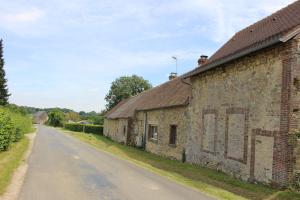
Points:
(144, 139)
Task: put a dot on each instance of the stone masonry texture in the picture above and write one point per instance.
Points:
(242, 119)
(247, 115)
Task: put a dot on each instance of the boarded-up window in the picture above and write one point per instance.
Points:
(236, 137)
(209, 131)
(173, 134)
(153, 134)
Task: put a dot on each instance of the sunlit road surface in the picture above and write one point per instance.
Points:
(63, 168)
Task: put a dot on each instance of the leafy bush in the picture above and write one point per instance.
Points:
(56, 118)
(22, 124)
(6, 130)
(74, 127)
(96, 129)
(295, 183)
(13, 125)
(86, 128)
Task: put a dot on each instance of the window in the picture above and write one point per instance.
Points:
(153, 132)
(173, 134)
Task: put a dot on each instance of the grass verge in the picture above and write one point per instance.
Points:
(209, 181)
(10, 160)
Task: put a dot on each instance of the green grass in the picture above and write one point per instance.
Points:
(209, 181)
(33, 129)
(10, 160)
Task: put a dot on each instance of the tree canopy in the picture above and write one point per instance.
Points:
(124, 87)
(72, 116)
(56, 118)
(4, 95)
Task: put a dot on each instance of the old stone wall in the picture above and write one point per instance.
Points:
(138, 131)
(237, 114)
(116, 129)
(163, 119)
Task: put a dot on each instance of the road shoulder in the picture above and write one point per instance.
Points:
(17, 180)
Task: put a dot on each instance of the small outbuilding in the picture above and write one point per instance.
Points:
(40, 117)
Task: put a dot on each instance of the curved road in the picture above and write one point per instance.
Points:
(63, 168)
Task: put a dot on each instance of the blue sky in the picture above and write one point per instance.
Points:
(66, 53)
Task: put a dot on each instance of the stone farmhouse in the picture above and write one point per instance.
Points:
(237, 112)
(155, 119)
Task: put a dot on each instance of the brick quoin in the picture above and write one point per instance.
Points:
(283, 159)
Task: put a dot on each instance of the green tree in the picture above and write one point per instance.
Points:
(3, 82)
(73, 116)
(56, 118)
(124, 87)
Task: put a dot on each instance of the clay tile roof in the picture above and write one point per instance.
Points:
(276, 28)
(170, 94)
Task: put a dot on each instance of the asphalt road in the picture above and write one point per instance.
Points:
(62, 168)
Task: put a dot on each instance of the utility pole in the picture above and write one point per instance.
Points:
(175, 58)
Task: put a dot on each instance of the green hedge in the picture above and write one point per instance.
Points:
(86, 128)
(13, 126)
(6, 130)
(22, 124)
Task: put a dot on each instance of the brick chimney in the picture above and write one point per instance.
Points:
(172, 75)
(202, 60)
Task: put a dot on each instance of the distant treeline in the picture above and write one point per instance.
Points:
(32, 110)
(69, 115)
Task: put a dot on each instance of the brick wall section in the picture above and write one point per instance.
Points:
(295, 107)
(282, 160)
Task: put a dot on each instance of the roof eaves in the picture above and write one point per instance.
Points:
(274, 40)
(115, 118)
(164, 107)
(289, 35)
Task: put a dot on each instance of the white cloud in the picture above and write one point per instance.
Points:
(20, 20)
(29, 16)
(222, 18)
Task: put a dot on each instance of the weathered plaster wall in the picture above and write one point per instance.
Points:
(236, 113)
